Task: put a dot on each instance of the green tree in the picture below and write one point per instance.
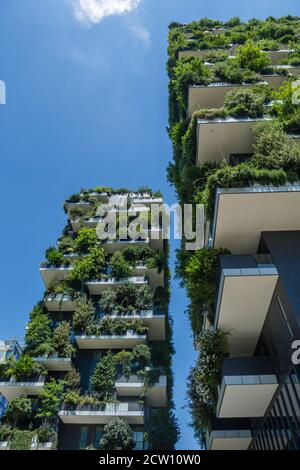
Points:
(50, 399)
(117, 435)
(123, 359)
(54, 257)
(73, 380)
(142, 354)
(120, 267)
(84, 314)
(38, 334)
(163, 430)
(61, 340)
(19, 410)
(251, 57)
(24, 368)
(86, 240)
(104, 377)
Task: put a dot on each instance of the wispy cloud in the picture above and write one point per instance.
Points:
(143, 34)
(94, 11)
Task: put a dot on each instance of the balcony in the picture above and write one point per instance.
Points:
(12, 389)
(111, 246)
(154, 320)
(82, 414)
(51, 274)
(156, 396)
(275, 80)
(245, 290)
(55, 363)
(241, 214)
(292, 69)
(147, 201)
(127, 341)
(248, 385)
(85, 206)
(229, 434)
(278, 56)
(155, 278)
(211, 96)
(219, 138)
(98, 286)
(60, 302)
(204, 52)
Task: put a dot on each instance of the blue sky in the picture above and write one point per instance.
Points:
(86, 106)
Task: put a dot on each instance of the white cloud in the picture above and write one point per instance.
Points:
(94, 11)
(142, 34)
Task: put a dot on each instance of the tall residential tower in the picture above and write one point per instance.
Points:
(234, 121)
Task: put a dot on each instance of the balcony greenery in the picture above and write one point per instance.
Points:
(19, 411)
(24, 369)
(126, 298)
(117, 435)
(275, 159)
(204, 377)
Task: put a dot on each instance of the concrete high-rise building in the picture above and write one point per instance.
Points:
(235, 129)
(99, 343)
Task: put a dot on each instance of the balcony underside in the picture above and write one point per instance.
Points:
(247, 388)
(60, 302)
(156, 396)
(59, 364)
(100, 417)
(218, 139)
(156, 324)
(50, 275)
(243, 302)
(242, 214)
(11, 390)
(229, 440)
(212, 96)
(110, 342)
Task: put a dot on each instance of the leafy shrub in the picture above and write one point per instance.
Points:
(54, 257)
(126, 298)
(120, 267)
(61, 340)
(251, 57)
(86, 240)
(21, 439)
(50, 399)
(204, 377)
(24, 369)
(38, 333)
(5, 432)
(83, 314)
(117, 435)
(241, 103)
(104, 377)
(72, 380)
(19, 410)
(163, 431)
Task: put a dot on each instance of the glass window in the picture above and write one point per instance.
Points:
(83, 437)
(97, 438)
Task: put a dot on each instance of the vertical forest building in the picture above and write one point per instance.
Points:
(95, 372)
(234, 122)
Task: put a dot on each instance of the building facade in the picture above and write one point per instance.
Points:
(235, 158)
(99, 343)
(8, 349)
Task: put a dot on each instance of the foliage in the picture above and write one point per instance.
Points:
(21, 439)
(38, 333)
(117, 435)
(45, 435)
(61, 340)
(84, 314)
(86, 240)
(72, 380)
(24, 368)
(231, 72)
(50, 399)
(119, 266)
(142, 354)
(104, 377)
(163, 431)
(19, 410)
(123, 359)
(87, 268)
(204, 377)
(54, 257)
(244, 103)
(251, 57)
(126, 298)
(286, 110)
(5, 432)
